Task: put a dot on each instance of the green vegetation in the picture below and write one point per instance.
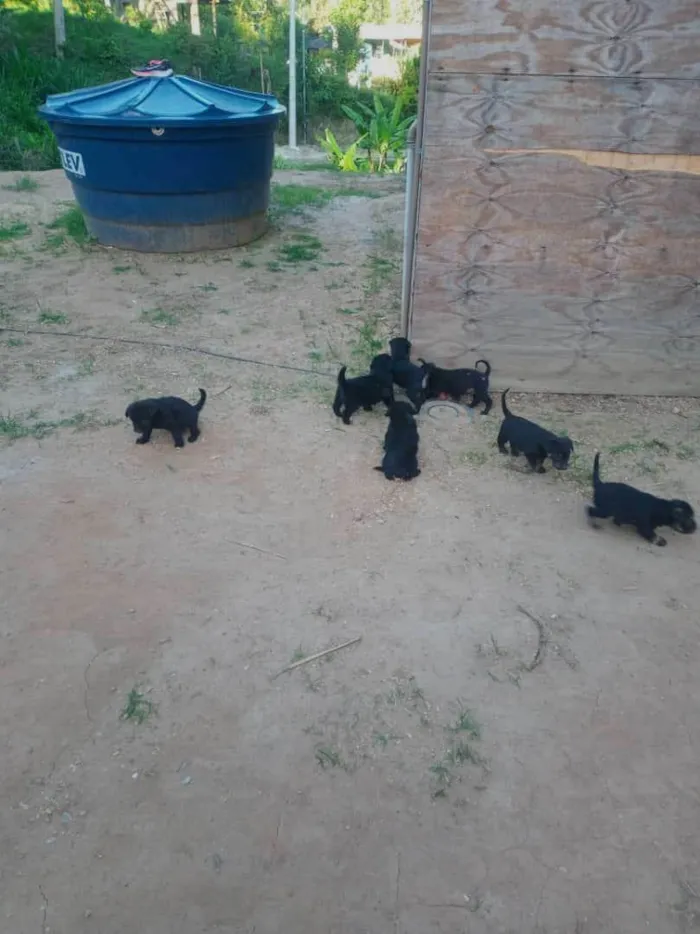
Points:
(23, 183)
(52, 317)
(248, 49)
(13, 229)
(70, 223)
(12, 428)
(137, 707)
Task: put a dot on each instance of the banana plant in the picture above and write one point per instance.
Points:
(382, 131)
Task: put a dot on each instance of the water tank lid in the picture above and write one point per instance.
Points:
(171, 101)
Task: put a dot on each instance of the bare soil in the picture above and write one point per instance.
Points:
(512, 748)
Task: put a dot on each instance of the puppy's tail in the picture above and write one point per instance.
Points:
(341, 376)
(504, 405)
(202, 399)
(486, 364)
(596, 470)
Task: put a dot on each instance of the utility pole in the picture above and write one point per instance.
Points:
(292, 112)
(59, 27)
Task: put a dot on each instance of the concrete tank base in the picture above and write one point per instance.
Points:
(188, 238)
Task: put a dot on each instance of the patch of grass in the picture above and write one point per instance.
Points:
(368, 341)
(349, 312)
(246, 264)
(71, 223)
(379, 271)
(686, 452)
(466, 723)
(13, 230)
(316, 356)
(208, 287)
(13, 428)
(137, 707)
(296, 199)
(274, 266)
(15, 342)
(120, 269)
(297, 655)
(305, 249)
(328, 757)
(475, 458)
(159, 316)
(458, 753)
(52, 317)
(86, 367)
(23, 183)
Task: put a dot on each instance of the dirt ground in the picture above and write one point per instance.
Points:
(512, 748)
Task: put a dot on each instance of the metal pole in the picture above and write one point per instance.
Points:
(292, 114)
(59, 27)
(304, 103)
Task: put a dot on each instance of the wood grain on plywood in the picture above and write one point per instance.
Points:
(552, 343)
(582, 37)
(621, 114)
(572, 274)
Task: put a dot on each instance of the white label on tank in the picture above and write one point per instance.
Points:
(72, 162)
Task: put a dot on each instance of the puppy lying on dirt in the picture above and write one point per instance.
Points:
(536, 443)
(626, 505)
(411, 378)
(455, 384)
(361, 392)
(170, 413)
(400, 461)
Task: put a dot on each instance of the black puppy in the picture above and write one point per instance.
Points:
(411, 378)
(400, 461)
(361, 392)
(455, 384)
(169, 412)
(536, 443)
(629, 506)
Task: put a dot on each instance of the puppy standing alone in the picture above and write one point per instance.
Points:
(169, 413)
(532, 440)
(626, 505)
(400, 461)
(458, 383)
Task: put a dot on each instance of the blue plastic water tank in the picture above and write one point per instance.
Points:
(168, 165)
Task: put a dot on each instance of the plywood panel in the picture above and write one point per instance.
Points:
(554, 343)
(572, 278)
(561, 37)
(626, 115)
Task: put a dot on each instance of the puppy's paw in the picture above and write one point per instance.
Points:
(660, 541)
(142, 440)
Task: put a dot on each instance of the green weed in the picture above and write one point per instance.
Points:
(52, 317)
(71, 223)
(13, 428)
(120, 269)
(208, 287)
(14, 230)
(466, 723)
(328, 757)
(305, 249)
(15, 342)
(137, 707)
(246, 264)
(159, 316)
(23, 183)
(368, 341)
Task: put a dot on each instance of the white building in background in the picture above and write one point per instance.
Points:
(384, 48)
